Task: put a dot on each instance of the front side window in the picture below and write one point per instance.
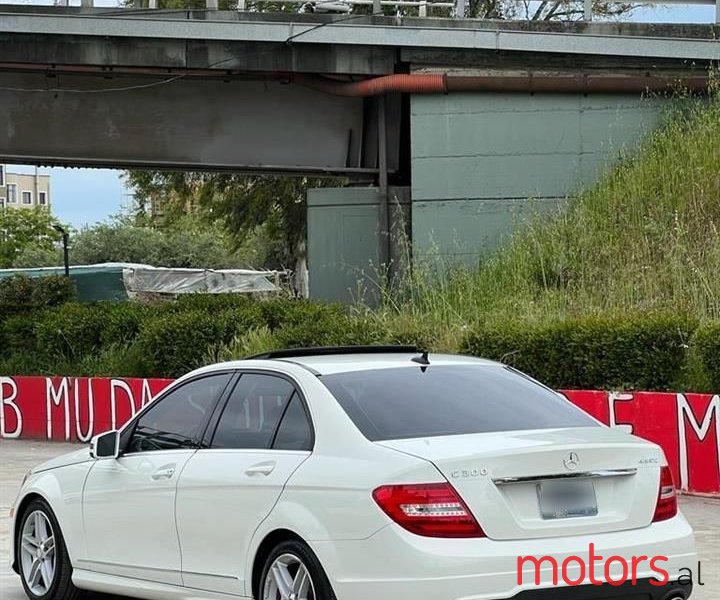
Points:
(410, 402)
(253, 411)
(177, 419)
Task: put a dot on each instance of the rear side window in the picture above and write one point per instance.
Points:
(294, 432)
(253, 412)
(407, 402)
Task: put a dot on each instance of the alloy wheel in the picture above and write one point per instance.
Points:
(288, 579)
(37, 553)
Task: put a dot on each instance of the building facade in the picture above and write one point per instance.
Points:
(23, 190)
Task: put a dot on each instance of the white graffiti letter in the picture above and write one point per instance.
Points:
(56, 397)
(614, 397)
(147, 395)
(9, 401)
(685, 415)
(91, 412)
(114, 385)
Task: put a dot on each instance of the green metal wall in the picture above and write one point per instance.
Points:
(342, 242)
(481, 162)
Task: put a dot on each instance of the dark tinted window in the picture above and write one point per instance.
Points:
(294, 432)
(253, 411)
(176, 420)
(406, 402)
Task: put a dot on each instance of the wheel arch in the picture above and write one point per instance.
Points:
(271, 540)
(19, 513)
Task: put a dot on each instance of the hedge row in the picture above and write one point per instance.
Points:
(646, 351)
(631, 351)
(20, 293)
(167, 340)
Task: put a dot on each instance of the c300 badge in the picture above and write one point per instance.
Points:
(468, 473)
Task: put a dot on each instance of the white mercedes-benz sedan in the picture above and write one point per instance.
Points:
(354, 474)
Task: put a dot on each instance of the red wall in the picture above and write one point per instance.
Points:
(687, 426)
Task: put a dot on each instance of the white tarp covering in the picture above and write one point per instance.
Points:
(144, 278)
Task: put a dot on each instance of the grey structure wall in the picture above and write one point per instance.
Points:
(186, 123)
(481, 162)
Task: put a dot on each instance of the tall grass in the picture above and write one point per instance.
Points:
(644, 237)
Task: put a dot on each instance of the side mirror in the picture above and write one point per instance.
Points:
(105, 445)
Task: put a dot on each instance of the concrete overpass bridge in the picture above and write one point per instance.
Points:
(453, 123)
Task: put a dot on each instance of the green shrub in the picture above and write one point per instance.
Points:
(636, 351)
(175, 343)
(212, 302)
(254, 341)
(706, 347)
(16, 292)
(19, 333)
(52, 290)
(327, 328)
(113, 360)
(123, 321)
(23, 293)
(23, 363)
(281, 312)
(70, 331)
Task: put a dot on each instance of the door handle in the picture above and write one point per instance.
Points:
(166, 473)
(261, 469)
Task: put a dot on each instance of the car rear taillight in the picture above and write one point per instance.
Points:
(428, 509)
(667, 506)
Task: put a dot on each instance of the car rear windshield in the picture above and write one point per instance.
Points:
(410, 402)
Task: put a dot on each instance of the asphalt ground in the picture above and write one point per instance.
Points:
(17, 457)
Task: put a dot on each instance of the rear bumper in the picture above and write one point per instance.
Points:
(396, 564)
(642, 590)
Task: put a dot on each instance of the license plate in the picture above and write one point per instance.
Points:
(564, 499)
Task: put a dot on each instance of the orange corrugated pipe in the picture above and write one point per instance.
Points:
(425, 83)
(421, 83)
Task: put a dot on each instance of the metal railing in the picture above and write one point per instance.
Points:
(425, 8)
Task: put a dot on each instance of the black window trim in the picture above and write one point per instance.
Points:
(209, 436)
(129, 429)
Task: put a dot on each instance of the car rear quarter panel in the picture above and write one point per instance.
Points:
(329, 498)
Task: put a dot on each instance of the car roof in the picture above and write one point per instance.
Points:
(343, 363)
(346, 360)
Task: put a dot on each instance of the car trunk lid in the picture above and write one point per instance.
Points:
(546, 483)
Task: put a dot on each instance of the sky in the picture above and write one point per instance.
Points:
(81, 197)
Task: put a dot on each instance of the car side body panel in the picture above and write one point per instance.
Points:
(223, 495)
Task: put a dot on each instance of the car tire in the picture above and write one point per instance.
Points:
(292, 556)
(40, 533)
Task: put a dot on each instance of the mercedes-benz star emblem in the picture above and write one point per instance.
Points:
(571, 461)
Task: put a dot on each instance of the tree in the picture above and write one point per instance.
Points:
(25, 229)
(184, 245)
(251, 208)
(545, 10)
